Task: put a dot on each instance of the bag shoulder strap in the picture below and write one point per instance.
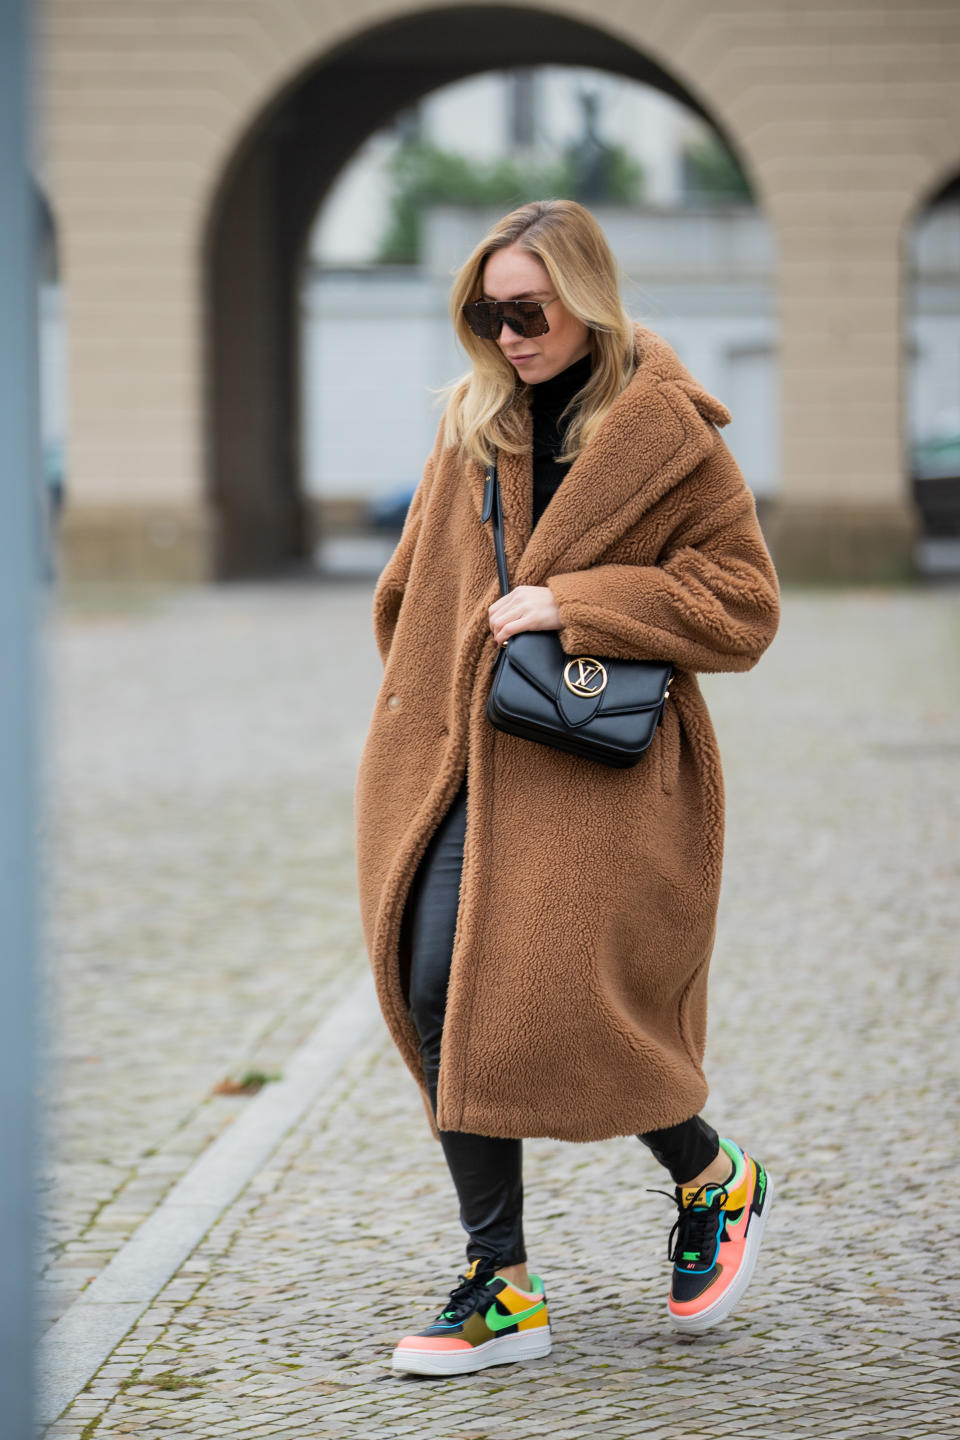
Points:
(493, 508)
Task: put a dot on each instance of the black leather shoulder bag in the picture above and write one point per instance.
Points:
(601, 709)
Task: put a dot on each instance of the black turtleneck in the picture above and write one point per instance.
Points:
(549, 398)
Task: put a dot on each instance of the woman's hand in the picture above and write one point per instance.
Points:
(529, 607)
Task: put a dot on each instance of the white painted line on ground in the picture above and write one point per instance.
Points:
(74, 1348)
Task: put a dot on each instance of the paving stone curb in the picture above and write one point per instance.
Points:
(84, 1337)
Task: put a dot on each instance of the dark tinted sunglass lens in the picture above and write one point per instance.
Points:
(531, 317)
(480, 317)
(526, 317)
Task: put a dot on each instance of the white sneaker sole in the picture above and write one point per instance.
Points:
(721, 1308)
(527, 1345)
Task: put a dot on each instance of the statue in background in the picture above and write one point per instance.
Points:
(590, 157)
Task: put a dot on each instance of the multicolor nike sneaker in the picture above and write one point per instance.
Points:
(487, 1321)
(714, 1243)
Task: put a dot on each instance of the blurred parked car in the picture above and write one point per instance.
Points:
(935, 464)
(53, 468)
(388, 512)
(52, 496)
(935, 470)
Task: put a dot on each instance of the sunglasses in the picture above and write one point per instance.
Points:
(524, 317)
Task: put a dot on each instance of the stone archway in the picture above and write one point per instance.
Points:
(183, 146)
(272, 187)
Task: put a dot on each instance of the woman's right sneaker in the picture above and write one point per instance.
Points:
(714, 1243)
(486, 1321)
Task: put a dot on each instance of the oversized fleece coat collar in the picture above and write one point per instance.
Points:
(576, 1004)
(654, 434)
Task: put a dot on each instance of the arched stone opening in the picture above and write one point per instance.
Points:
(260, 219)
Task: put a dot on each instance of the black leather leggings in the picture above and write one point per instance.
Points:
(487, 1170)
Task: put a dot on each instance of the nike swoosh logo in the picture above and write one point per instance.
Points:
(496, 1321)
(736, 1229)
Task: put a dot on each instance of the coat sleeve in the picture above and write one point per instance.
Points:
(389, 589)
(712, 603)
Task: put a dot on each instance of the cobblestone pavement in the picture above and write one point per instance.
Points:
(203, 912)
(204, 820)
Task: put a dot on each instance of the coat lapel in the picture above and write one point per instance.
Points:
(650, 439)
(642, 448)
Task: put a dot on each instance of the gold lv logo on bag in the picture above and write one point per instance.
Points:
(585, 676)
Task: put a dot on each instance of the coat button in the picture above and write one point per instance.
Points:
(393, 701)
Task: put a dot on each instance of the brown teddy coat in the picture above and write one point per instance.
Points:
(577, 998)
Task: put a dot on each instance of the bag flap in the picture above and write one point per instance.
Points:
(631, 685)
(535, 655)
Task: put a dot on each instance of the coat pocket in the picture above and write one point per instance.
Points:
(669, 747)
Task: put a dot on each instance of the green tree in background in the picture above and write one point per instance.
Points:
(712, 174)
(422, 174)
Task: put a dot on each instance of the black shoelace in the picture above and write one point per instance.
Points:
(695, 1229)
(466, 1296)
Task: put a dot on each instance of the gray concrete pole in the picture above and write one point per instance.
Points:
(18, 724)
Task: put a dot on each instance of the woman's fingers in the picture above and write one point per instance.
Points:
(525, 600)
(529, 607)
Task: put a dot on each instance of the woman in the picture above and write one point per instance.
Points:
(539, 925)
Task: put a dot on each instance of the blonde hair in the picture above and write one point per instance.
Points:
(484, 407)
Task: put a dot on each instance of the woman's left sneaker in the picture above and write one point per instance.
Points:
(487, 1321)
(714, 1243)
